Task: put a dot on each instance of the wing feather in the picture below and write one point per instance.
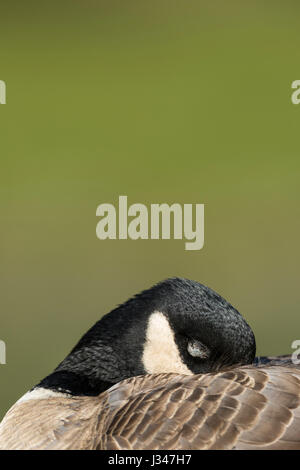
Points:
(244, 408)
(249, 407)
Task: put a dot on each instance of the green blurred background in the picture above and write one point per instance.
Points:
(163, 101)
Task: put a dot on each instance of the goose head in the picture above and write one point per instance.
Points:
(178, 326)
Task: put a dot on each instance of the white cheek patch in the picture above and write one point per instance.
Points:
(161, 354)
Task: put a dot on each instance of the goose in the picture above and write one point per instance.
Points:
(172, 368)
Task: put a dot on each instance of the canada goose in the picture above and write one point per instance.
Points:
(172, 368)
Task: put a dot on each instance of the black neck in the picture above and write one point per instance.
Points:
(109, 352)
(73, 384)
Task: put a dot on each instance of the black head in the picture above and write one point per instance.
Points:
(177, 326)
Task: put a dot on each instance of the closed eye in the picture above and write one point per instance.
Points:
(197, 349)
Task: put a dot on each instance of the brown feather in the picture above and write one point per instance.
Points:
(242, 408)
